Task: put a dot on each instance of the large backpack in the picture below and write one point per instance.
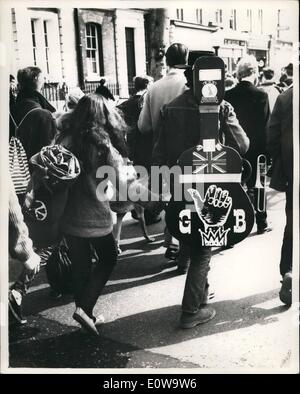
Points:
(18, 162)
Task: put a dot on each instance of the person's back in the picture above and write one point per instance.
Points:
(280, 132)
(164, 90)
(268, 85)
(37, 128)
(251, 106)
(138, 143)
(179, 127)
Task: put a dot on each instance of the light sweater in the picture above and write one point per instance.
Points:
(20, 245)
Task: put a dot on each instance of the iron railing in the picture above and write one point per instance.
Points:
(56, 94)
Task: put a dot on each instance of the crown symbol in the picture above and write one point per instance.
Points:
(214, 237)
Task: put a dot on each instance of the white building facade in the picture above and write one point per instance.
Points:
(79, 47)
(267, 31)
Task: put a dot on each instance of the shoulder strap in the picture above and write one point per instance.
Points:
(33, 109)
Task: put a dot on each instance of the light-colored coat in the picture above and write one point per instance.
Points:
(160, 93)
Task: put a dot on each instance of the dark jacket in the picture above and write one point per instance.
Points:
(251, 106)
(38, 128)
(140, 145)
(280, 140)
(178, 129)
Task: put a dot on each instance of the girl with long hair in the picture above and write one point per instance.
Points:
(87, 223)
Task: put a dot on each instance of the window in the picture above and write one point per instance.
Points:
(232, 21)
(260, 19)
(130, 53)
(33, 40)
(249, 17)
(179, 13)
(219, 17)
(199, 15)
(94, 54)
(46, 45)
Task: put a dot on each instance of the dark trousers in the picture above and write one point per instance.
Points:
(88, 281)
(287, 243)
(196, 280)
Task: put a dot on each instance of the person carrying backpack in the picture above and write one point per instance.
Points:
(38, 127)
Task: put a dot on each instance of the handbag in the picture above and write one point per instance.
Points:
(18, 162)
(59, 269)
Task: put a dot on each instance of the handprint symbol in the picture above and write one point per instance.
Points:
(214, 209)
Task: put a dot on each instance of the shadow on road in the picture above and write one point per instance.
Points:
(45, 343)
(160, 327)
(71, 348)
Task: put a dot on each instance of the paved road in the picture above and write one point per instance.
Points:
(141, 304)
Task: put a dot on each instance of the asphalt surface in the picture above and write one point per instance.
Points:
(141, 303)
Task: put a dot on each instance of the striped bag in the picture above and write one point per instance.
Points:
(18, 162)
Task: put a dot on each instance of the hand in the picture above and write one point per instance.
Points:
(214, 209)
(32, 265)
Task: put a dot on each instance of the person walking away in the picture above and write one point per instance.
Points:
(38, 127)
(21, 249)
(63, 120)
(87, 220)
(268, 85)
(280, 146)
(162, 92)
(179, 130)
(138, 143)
(251, 106)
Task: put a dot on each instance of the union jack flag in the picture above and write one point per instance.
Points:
(209, 162)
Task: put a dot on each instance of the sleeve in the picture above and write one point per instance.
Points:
(235, 135)
(145, 119)
(274, 130)
(20, 245)
(159, 152)
(266, 107)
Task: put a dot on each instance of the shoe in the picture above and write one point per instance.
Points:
(190, 320)
(285, 293)
(264, 230)
(15, 306)
(85, 321)
(54, 294)
(99, 320)
(171, 253)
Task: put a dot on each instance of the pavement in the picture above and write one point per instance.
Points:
(252, 330)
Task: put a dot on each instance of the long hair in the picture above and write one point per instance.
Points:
(95, 123)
